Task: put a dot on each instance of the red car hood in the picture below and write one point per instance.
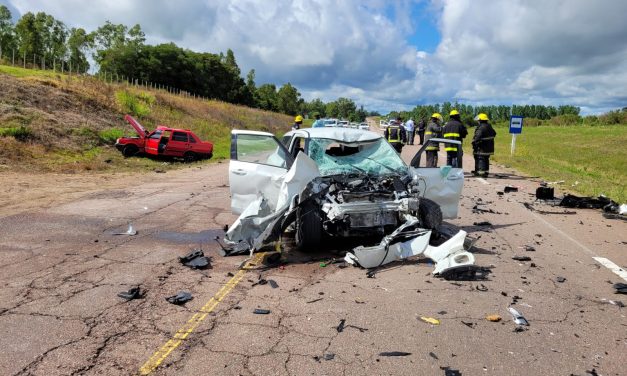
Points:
(141, 131)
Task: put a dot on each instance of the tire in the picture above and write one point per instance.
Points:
(209, 156)
(190, 157)
(129, 150)
(308, 227)
(429, 214)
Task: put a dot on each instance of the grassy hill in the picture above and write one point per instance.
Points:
(57, 123)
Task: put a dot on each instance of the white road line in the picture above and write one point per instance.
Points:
(611, 266)
(482, 180)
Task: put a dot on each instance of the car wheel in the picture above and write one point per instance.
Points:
(129, 150)
(308, 226)
(209, 156)
(190, 157)
(429, 214)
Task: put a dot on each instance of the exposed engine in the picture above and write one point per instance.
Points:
(367, 205)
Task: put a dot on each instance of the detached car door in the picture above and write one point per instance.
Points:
(259, 162)
(441, 184)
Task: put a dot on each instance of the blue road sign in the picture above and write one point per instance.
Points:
(515, 124)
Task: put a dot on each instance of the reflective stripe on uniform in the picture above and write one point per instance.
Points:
(398, 134)
(428, 133)
(430, 148)
(450, 148)
(447, 135)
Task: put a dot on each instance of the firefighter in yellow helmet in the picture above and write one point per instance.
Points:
(454, 130)
(298, 122)
(483, 145)
(433, 130)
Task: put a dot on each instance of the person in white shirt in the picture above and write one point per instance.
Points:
(409, 129)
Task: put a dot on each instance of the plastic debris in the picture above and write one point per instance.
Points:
(273, 283)
(560, 279)
(482, 287)
(341, 326)
(510, 188)
(195, 259)
(180, 298)
(130, 232)
(521, 258)
(328, 356)
(448, 371)
(545, 193)
(430, 320)
(471, 325)
(394, 353)
(261, 311)
(493, 318)
(620, 288)
(133, 293)
(484, 223)
(315, 300)
(519, 319)
(431, 354)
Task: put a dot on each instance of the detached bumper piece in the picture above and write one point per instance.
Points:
(409, 240)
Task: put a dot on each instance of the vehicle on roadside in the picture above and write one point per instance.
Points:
(330, 122)
(383, 124)
(343, 123)
(366, 189)
(164, 141)
(364, 126)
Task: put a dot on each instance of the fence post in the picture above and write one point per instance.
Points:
(13, 60)
(24, 61)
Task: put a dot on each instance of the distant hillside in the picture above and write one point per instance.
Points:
(53, 122)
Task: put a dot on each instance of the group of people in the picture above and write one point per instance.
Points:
(399, 134)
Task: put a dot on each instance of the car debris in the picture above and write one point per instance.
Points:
(620, 288)
(471, 325)
(261, 311)
(448, 371)
(133, 293)
(432, 354)
(313, 301)
(345, 183)
(545, 193)
(130, 231)
(519, 319)
(510, 188)
(533, 209)
(180, 298)
(196, 259)
(493, 318)
(521, 258)
(273, 283)
(483, 223)
(481, 287)
(394, 353)
(341, 326)
(430, 320)
(560, 279)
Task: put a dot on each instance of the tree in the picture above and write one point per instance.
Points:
(78, 44)
(29, 39)
(316, 106)
(231, 63)
(7, 38)
(345, 107)
(288, 99)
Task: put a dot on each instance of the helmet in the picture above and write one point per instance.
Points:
(483, 117)
(435, 115)
(298, 119)
(453, 113)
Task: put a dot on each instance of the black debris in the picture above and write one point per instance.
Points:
(394, 353)
(180, 298)
(484, 223)
(593, 372)
(315, 300)
(601, 202)
(466, 273)
(519, 329)
(240, 248)
(328, 356)
(532, 265)
(614, 216)
(340, 327)
(195, 259)
(621, 288)
(442, 313)
(545, 193)
(560, 279)
(503, 293)
(471, 325)
(521, 258)
(482, 287)
(133, 293)
(433, 356)
(448, 371)
(273, 283)
(361, 330)
(261, 311)
(529, 248)
(510, 188)
(272, 259)
(229, 274)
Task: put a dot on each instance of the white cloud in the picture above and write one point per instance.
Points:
(522, 51)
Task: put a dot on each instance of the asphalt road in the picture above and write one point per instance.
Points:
(61, 268)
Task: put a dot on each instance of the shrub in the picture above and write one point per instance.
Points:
(135, 104)
(19, 133)
(565, 120)
(109, 136)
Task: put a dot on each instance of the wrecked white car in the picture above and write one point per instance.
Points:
(336, 183)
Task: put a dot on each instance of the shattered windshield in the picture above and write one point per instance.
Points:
(374, 157)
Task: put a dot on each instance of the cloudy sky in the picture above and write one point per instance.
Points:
(395, 54)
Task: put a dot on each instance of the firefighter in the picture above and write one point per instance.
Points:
(454, 130)
(483, 145)
(433, 130)
(298, 122)
(395, 135)
(421, 130)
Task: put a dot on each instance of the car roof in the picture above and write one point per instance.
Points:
(339, 134)
(166, 128)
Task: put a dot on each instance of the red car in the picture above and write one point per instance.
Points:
(164, 141)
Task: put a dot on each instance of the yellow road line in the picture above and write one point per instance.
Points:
(159, 356)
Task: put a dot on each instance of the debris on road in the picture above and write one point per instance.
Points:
(466, 273)
(471, 325)
(394, 353)
(560, 279)
(620, 288)
(430, 320)
(196, 259)
(261, 311)
(519, 319)
(133, 293)
(130, 231)
(545, 193)
(315, 300)
(448, 371)
(483, 223)
(481, 287)
(431, 354)
(521, 258)
(533, 209)
(493, 318)
(180, 298)
(510, 188)
(273, 283)
(341, 326)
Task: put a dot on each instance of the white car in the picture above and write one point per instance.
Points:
(343, 123)
(364, 126)
(330, 122)
(369, 189)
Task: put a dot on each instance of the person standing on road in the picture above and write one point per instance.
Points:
(318, 123)
(483, 145)
(454, 130)
(421, 130)
(409, 130)
(395, 135)
(433, 130)
(298, 122)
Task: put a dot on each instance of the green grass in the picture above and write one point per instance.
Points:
(21, 72)
(592, 160)
(135, 103)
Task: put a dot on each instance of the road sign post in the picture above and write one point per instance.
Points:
(515, 128)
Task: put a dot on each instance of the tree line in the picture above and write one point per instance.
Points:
(121, 51)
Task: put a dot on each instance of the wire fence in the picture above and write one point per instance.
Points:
(65, 67)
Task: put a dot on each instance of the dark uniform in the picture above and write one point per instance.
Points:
(395, 135)
(433, 130)
(454, 130)
(421, 131)
(483, 147)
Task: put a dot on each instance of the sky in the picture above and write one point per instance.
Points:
(393, 55)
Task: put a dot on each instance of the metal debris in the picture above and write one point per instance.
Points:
(133, 293)
(180, 298)
(261, 311)
(519, 319)
(394, 353)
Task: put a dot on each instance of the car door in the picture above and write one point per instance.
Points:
(441, 184)
(152, 142)
(178, 145)
(259, 162)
